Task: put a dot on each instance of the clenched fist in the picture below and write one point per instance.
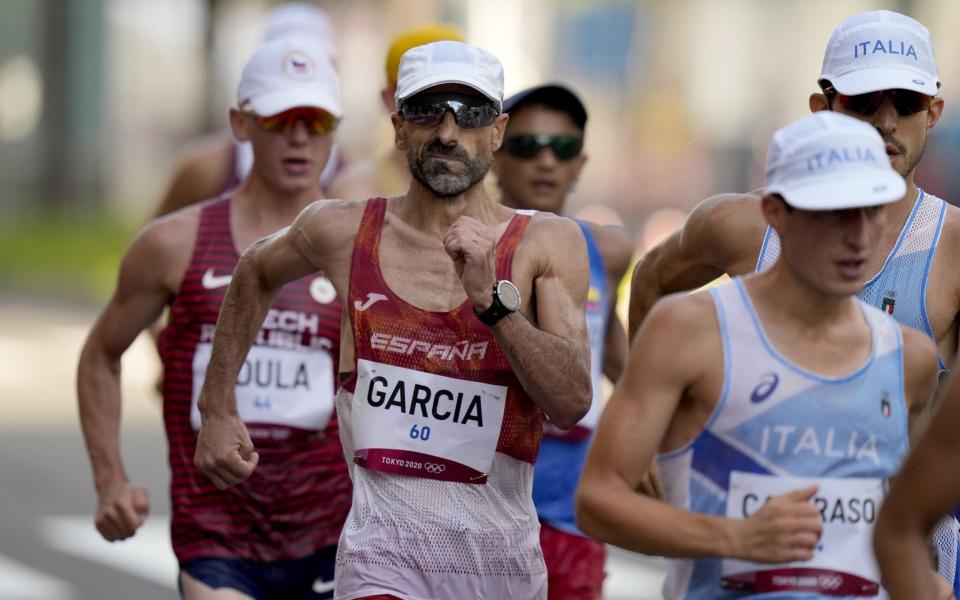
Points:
(473, 248)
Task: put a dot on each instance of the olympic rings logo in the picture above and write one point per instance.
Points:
(434, 467)
(830, 582)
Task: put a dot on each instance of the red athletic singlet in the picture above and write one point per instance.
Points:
(297, 499)
(444, 436)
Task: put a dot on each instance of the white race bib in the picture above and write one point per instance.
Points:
(843, 563)
(276, 386)
(414, 423)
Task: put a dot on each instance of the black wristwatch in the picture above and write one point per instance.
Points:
(506, 300)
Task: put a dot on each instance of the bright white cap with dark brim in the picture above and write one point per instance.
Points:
(880, 50)
(829, 161)
(449, 62)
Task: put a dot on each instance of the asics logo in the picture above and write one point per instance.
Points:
(211, 281)
(434, 467)
(372, 299)
(768, 383)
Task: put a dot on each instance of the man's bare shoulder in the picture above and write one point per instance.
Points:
(553, 231)
(164, 246)
(687, 324)
(330, 223)
(727, 229)
(950, 235)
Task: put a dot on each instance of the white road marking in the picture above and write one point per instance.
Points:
(20, 582)
(147, 554)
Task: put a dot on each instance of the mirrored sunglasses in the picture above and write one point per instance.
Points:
(905, 102)
(428, 110)
(316, 120)
(527, 146)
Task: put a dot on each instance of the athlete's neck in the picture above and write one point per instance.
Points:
(898, 212)
(432, 214)
(263, 209)
(795, 300)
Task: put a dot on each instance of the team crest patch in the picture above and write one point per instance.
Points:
(885, 409)
(296, 64)
(322, 290)
(889, 300)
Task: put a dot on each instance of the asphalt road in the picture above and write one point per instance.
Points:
(49, 548)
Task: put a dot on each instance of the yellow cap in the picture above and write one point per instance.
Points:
(434, 32)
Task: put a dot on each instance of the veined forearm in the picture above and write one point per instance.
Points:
(555, 372)
(641, 524)
(99, 401)
(244, 308)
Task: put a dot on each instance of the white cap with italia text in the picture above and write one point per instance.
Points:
(289, 73)
(880, 50)
(829, 161)
(445, 62)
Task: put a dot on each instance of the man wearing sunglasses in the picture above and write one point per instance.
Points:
(536, 167)
(217, 162)
(276, 536)
(878, 67)
(466, 327)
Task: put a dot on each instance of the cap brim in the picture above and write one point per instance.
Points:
(863, 81)
(271, 104)
(849, 190)
(444, 79)
(559, 95)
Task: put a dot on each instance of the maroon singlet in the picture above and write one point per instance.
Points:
(298, 497)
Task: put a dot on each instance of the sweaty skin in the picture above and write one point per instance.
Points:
(435, 253)
(723, 234)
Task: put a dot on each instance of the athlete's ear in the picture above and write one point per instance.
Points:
(240, 124)
(933, 114)
(499, 128)
(399, 135)
(774, 210)
(386, 96)
(818, 101)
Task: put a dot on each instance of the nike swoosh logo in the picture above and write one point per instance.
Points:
(370, 301)
(212, 282)
(320, 586)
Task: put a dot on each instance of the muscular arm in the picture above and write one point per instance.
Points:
(552, 359)
(928, 485)
(313, 242)
(630, 432)
(148, 275)
(722, 235)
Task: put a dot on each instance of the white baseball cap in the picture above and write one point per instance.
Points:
(880, 50)
(444, 62)
(829, 161)
(299, 19)
(287, 73)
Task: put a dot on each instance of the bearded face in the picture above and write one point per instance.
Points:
(447, 170)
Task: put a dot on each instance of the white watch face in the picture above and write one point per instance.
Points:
(509, 295)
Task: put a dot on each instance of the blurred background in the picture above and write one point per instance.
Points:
(98, 97)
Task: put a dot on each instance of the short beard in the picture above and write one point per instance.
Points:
(910, 161)
(438, 179)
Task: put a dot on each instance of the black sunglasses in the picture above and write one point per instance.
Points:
(528, 145)
(905, 102)
(428, 110)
